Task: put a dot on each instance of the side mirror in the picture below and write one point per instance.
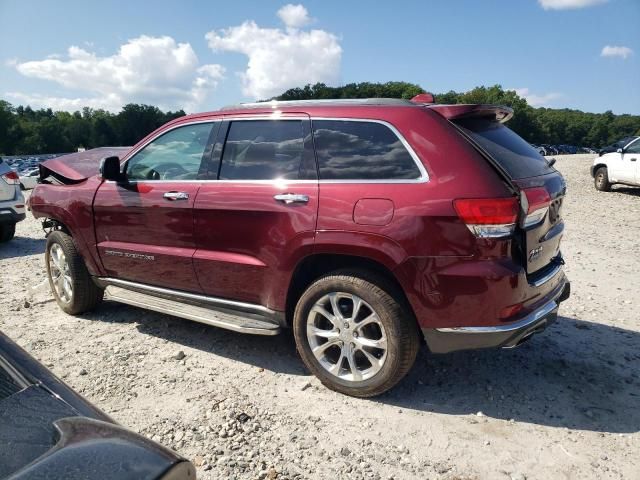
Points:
(110, 169)
(619, 150)
(551, 162)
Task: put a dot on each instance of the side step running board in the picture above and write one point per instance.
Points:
(190, 307)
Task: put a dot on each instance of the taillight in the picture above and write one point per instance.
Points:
(535, 202)
(488, 217)
(11, 178)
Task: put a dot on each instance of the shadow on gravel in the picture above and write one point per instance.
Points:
(628, 190)
(277, 353)
(22, 247)
(577, 374)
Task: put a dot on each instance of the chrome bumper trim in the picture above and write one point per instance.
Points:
(552, 273)
(177, 295)
(530, 319)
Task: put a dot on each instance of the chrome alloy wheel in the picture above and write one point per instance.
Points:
(60, 274)
(346, 336)
(600, 179)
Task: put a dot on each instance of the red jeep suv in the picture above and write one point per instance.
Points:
(366, 226)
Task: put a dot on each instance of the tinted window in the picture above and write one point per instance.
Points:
(176, 155)
(352, 150)
(512, 152)
(263, 150)
(633, 148)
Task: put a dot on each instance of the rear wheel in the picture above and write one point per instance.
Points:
(7, 231)
(71, 285)
(601, 180)
(353, 335)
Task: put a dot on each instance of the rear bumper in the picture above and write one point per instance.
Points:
(9, 215)
(509, 335)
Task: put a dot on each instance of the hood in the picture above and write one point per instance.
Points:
(76, 167)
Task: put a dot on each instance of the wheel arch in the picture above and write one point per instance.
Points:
(596, 167)
(316, 265)
(62, 220)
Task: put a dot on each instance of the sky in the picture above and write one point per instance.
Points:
(202, 55)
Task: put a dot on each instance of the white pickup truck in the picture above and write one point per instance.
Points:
(621, 166)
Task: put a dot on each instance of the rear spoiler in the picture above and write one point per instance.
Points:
(456, 112)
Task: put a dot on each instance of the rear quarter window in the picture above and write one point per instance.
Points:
(514, 154)
(361, 150)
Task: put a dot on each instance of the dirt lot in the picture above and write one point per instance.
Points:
(566, 405)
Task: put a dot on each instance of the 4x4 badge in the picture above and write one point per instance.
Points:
(535, 253)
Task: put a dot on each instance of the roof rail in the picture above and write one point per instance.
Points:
(323, 102)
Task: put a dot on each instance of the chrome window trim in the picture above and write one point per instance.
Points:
(424, 175)
(277, 115)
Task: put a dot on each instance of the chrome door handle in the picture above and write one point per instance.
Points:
(289, 198)
(173, 196)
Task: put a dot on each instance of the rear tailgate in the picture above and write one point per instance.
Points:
(542, 188)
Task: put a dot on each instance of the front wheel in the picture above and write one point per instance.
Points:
(353, 335)
(601, 180)
(71, 284)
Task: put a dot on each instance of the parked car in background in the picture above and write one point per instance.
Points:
(49, 431)
(621, 166)
(364, 225)
(12, 209)
(614, 147)
(29, 179)
(540, 149)
(587, 150)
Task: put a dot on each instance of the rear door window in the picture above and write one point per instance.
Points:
(264, 150)
(517, 157)
(361, 150)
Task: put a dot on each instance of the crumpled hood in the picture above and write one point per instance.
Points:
(82, 165)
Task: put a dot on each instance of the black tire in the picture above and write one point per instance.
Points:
(402, 336)
(86, 295)
(7, 232)
(601, 180)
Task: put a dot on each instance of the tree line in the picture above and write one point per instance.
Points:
(27, 131)
(536, 125)
(24, 130)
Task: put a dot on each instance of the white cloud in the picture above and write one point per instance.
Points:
(281, 59)
(536, 100)
(153, 70)
(294, 16)
(109, 102)
(616, 51)
(569, 4)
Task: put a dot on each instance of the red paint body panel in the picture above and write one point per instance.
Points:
(242, 221)
(136, 219)
(233, 240)
(74, 208)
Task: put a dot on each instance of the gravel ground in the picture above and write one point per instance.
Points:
(563, 406)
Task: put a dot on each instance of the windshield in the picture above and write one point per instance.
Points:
(8, 385)
(517, 157)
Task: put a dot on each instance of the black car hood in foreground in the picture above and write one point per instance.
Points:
(49, 431)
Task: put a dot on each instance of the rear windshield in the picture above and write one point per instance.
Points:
(512, 152)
